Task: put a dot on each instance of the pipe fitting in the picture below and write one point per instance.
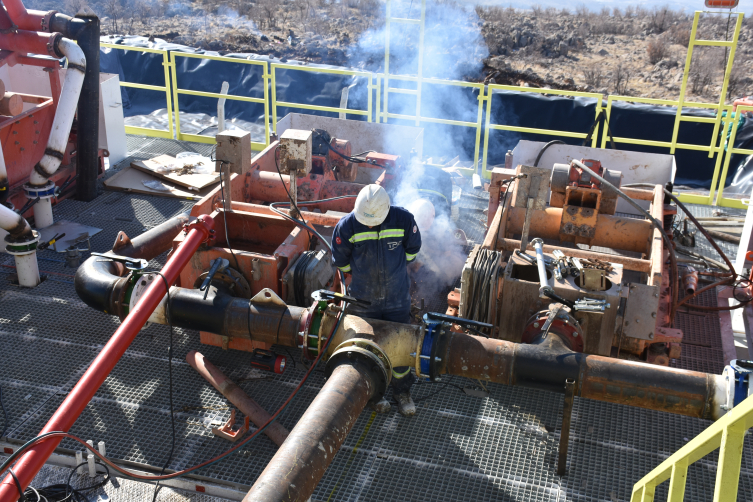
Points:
(370, 355)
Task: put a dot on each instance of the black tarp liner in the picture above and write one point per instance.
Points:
(649, 122)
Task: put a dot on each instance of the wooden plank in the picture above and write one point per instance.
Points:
(131, 180)
(657, 244)
(189, 180)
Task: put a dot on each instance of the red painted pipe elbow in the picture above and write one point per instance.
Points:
(33, 20)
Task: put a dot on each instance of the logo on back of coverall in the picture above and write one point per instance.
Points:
(338, 240)
(392, 245)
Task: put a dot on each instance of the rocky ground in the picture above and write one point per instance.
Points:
(633, 51)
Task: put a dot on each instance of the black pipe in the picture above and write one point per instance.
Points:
(95, 282)
(70, 27)
(88, 111)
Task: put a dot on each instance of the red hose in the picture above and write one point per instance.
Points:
(66, 415)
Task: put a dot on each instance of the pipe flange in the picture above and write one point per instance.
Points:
(368, 353)
(139, 288)
(22, 247)
(43, 192)
(427, 359)
(46, 23)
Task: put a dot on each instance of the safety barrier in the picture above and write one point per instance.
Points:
(379, 84)
(532, 130)
(383, 116)
(347, 111)
(177, 92)
(728, 435)
(148, 131)
(730, 151)
(714, 148)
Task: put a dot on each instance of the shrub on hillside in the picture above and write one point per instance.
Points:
(657, 50)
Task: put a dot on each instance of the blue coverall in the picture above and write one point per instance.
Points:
(378, 258)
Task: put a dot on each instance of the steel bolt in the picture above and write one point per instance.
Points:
(651, 336)
(637, 321)
(653, 314)
(535, 325)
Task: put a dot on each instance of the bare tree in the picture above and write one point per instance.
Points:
(144, 10)
(73, 7)
(269, 9)
(592, 74)
(657, 50)
(303, 8)
(114, 10)
(621, 79)
(702, 70)
(660, 19)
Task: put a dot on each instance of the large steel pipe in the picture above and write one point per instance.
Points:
(153, 242)
(547, 366)
(310, 217)
(615, 232)
(68, 412)
(294, 472)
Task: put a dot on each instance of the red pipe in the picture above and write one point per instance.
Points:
(33, 20)
(31, 42)
(66, 415)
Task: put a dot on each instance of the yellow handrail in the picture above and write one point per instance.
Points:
(726, 433)
(532, 130)
(730, 151)
(332, 109)
(715, 148)
(148, 131)
(203, 138)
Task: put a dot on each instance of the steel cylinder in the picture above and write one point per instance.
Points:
(547, 365)
(267, 186)
(299, 464)
(615, 232)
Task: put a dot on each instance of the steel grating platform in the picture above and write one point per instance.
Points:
(458, 447)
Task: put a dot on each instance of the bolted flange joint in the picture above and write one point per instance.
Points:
(46, 191)
(368, 354)
(22, 247)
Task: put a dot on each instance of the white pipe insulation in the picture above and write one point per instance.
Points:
(61, 128)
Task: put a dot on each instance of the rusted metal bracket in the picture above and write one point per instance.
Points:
(227, 432)
(567, 413)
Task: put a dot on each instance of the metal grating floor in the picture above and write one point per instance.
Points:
(458, 447)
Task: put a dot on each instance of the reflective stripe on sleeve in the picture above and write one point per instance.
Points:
(346, 268)
(364, 236)
(409, 256)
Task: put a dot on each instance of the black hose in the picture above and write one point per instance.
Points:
(543, 149)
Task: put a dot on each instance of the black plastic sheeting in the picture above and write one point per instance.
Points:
(649, 122)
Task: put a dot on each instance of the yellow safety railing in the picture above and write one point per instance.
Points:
(148, 131)
(177, 92)
(383, 116)
(715, 148)
(419, 77)
(727, 434)
(732, 45)
(348, 111)
(533, 130)
(730, 151)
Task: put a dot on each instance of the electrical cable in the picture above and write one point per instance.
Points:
(21, 450)
(170, 380)
(654, 222)
(327, 139)
(63, 492)
(544, 148)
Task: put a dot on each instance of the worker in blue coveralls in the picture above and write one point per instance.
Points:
(375, 243)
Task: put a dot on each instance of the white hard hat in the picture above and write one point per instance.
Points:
(372, 205)
(423, 212)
